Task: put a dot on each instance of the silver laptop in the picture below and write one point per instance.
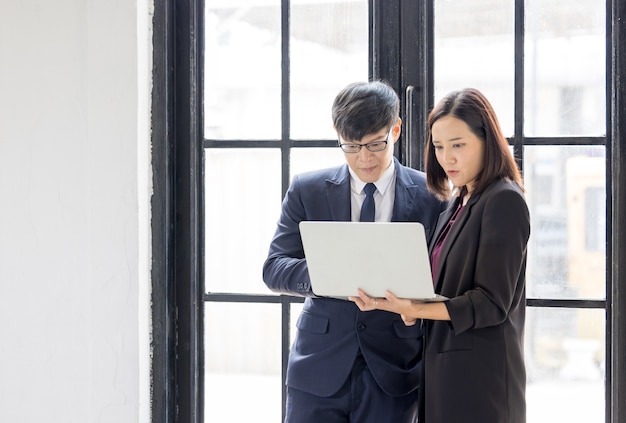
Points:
(376, 257)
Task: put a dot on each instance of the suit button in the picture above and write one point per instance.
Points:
(360, 327)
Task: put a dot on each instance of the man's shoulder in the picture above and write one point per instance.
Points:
(414, 175)
(321, 175)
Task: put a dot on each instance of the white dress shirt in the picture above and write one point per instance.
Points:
(383, 197)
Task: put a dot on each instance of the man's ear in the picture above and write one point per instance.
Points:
(395, 131)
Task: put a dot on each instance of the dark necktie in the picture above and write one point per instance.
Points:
(368, 210)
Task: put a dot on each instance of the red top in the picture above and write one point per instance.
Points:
(436, 253)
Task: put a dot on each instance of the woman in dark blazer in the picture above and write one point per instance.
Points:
(473, 364)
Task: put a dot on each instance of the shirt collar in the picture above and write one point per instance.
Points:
(382, 184)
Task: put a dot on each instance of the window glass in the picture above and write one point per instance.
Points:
(474, 47)
(328, 50)
(305, 159)
(565, 364)
(242, 361)
(565, 68)
(565, 189)
(242, 205)
(242, 69)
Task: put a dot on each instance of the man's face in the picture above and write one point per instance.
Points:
(370, 165)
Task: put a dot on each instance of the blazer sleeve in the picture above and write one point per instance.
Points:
(499, 273)
(285, 269)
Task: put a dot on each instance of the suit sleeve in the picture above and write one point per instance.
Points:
(285, 270)
(500, 260)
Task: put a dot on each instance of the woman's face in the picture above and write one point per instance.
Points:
(458, 150)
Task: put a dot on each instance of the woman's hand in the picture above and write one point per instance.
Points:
(410, 311)
(366, 303)
(390, 303)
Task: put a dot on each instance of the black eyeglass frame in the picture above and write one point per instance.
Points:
(367, 145)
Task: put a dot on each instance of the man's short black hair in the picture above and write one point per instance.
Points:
(364, 108)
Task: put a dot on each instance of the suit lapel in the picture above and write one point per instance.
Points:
(338, 195)
(461, 219)
(406, 195)
(443, 219)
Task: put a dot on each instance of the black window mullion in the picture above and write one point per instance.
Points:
(565, 303)
(177, 341)
(616, 210)
(386, 54)
(416, 78)
(163, 391)
(285, 94)
(518, 93)
(188, 217)
(285, 177)
(577, 141)
(288, 144)
(385, 41)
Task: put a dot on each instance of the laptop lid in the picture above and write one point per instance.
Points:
(376, 257)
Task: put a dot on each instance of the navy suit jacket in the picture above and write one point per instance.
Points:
(332, 332)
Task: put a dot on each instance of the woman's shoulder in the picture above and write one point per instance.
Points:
(503, 186)
(505, 198)
(503, 194)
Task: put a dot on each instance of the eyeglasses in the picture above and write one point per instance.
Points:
(373, 146)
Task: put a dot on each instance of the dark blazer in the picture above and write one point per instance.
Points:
(332, 332)
(474, 364)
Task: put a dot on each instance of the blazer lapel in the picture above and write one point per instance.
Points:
(338, 195)
(454, 231)
(442, 221)
(406, 195)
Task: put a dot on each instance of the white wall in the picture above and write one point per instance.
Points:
(74, 210)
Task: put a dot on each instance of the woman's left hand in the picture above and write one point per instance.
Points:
(366, 303)
(389, 303)
(410, 311)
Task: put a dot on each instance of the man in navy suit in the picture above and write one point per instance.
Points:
(346, 365)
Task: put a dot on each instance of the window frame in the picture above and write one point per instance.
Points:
(178, 204)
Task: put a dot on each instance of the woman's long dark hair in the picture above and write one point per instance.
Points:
(473, 108)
